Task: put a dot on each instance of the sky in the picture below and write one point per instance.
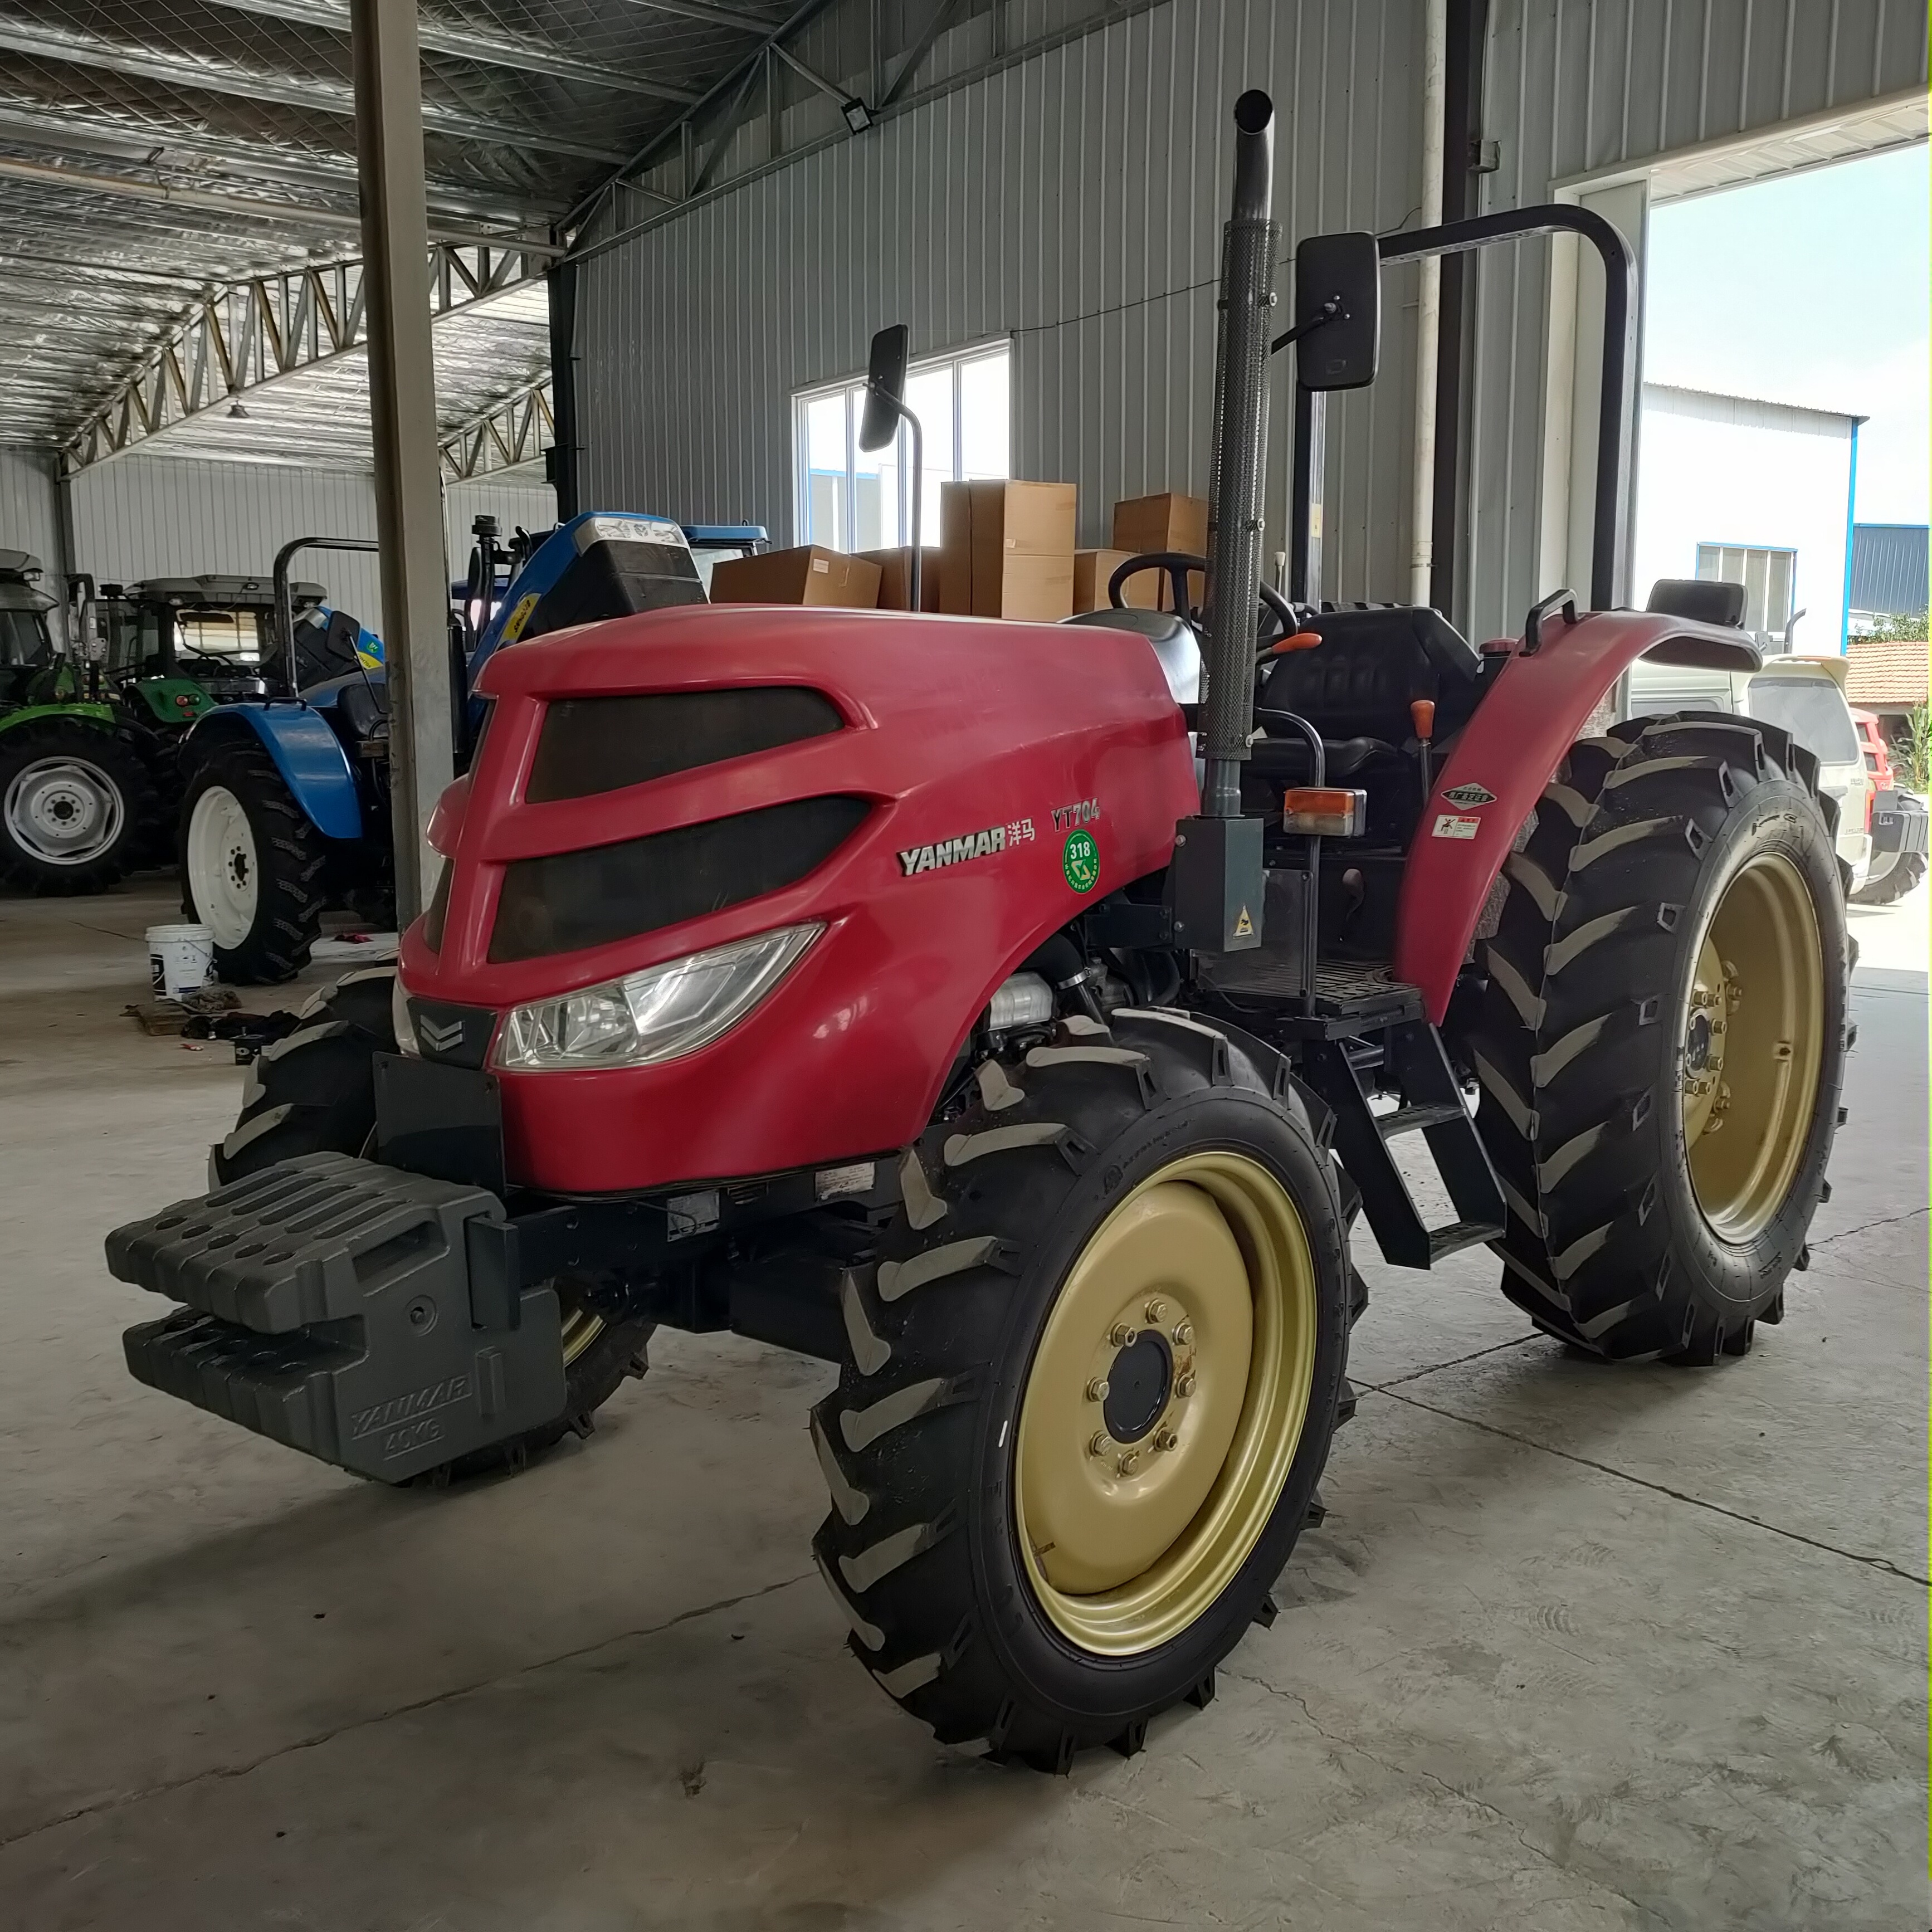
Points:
(1810, 289)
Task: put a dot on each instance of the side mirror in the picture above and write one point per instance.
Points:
(885, 387)
(1338, 310)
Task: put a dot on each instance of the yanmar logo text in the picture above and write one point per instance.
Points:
(407, 1407)
(954, 851)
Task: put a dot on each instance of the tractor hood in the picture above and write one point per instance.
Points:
(931, 796)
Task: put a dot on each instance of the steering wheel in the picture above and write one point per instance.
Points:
(1177, 565)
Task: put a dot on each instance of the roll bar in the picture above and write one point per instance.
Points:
(1619, 378)
(285, 608)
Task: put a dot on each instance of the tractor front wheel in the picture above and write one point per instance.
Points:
(1093, 1383)
(314, 1092)
(1662, 1037)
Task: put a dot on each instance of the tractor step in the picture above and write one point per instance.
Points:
(369, 1317)
(1431, 1105)
(1452, 1240)
(1413, 1120)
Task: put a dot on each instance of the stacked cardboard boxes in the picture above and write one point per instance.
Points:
(895, 577)
(1167, 522)
(1008, 549)
(810, 574)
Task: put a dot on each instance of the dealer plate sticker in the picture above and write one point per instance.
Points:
(1469, 795)
(1453, 825)
(1080, 860)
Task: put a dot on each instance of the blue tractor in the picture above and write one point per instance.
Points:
(285, 803)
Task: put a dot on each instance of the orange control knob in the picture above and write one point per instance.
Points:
(1422, 715)
(1302, 640)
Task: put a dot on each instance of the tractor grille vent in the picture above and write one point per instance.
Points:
(577, 899)
(591, 745)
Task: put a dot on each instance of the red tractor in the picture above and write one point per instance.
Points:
(1019, 1017)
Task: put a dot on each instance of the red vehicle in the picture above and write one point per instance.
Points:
(1019, 1017)
(1899, 823)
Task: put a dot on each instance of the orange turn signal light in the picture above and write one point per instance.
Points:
(1324, 811)
(1302, 640)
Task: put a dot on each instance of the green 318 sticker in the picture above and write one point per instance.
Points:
(1080, 860)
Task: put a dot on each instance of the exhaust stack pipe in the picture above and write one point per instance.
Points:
(1249, 245)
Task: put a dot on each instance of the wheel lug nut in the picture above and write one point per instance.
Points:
(1122, 1336)
(1183, 1385)
(1155, 1311)
(1099, 1445)
(1096, 1390)
(1183, 1334)
(1165, 1438)
(1129, 1461)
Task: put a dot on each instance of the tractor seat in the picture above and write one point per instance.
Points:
(1174, 643)
(364, 707)
(1371, 664)
(1285, 760)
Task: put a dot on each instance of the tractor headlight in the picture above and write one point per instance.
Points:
(660, 1014)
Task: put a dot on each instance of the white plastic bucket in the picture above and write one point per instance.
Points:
(181, 958)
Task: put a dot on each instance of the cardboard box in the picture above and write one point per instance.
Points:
(1169, 521)
(895, 572)
(1092, 570)
(1008, 549)
(810, 575)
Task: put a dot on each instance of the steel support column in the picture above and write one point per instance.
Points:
(402, 409)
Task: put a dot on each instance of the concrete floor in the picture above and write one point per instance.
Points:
(1578, 1648)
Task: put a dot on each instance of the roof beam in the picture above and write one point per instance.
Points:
(48, 42)
(69, 130)
(729, 86)
(251, 208)
(244, 335)
(471, 43)
(509, 434)
(712, 14)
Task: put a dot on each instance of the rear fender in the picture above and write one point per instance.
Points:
(88, 714)
(306, 751)
(1502, 760)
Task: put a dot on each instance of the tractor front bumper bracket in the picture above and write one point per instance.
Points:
(371, 1317)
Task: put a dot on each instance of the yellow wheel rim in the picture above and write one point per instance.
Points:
(580, 1328)
(1165, 1403)
(1753, 1041)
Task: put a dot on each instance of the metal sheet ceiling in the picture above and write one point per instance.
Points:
(153, 150)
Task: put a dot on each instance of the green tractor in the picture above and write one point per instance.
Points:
(78, 802)
(91, 738)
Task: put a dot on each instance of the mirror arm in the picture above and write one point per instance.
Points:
(1329, 311)
(915, 558)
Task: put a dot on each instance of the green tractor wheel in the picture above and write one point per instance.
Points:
(76, 802)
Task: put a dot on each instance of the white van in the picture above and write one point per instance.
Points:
(1805, 695)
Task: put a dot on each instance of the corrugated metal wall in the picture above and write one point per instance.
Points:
(30, 512)
(1573, 87)
(175, 516)
(159, 516)
(1073, 201)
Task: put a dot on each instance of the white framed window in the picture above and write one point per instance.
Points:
(1767, 576)
(848, 500)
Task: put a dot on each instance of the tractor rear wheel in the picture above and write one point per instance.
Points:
(314, 1092)
(75, 804)
(252, 865)
(1662, 1038)
(1092, 1385)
